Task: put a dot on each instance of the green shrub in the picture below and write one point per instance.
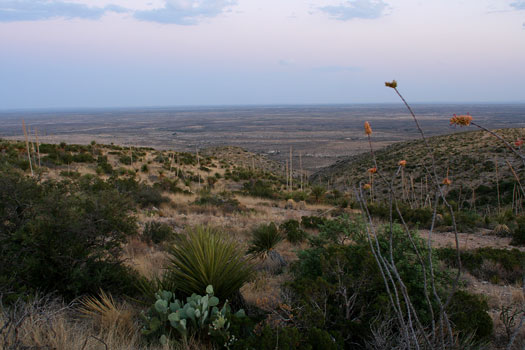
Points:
(341, 229)
(157, 232)
(63, 237)
(318, 192)
(290, 338)
(418, 216)
(468, 314)
(141, 193)
(509, 264)
(332, 271)
(168, 185)
(260, 188)
(223, 200)
(103, 167)
(293, 232)
(125, 159)
(83, 157)
(297, 196)
(466, 221)
(312, 221)
(205, 256)
(518, 235)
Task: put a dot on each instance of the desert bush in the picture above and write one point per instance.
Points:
(506, 265)
(83, 157)
(103, 167)
(297, 196)
(340, 230)
(317, 192)
(223, 200)
(142, 194)
(62, 237)
(466, 220)
(260, 188)
(157, 232)
(312, 221)
(293, 232)
(518, 235)
(468, 313)
(339, 287)
(421, 217)
(289, 338)
(238, 174)
(168, 185)
(206, 256)
(125, 159)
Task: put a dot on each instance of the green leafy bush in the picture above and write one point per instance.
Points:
(290, 338)
(292, 231)
(63, 237)
(205, 256)
(518, 235)
(157, 232)
(312, 221)
(317, 192)
(168, 185)
(341, 229)
(341, 267)
(223, 200)
(143, 194)
(260, 188)
(103, 167)
(417, 216)
(468, 313)
(466, 221)
(506, 265)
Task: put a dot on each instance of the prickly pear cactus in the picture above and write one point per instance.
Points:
(200, 315)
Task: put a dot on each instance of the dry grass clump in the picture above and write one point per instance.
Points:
(50, 324)
(264, 286)
(111, 318)
(147, 261)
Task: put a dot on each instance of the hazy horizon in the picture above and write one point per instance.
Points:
(255, 106)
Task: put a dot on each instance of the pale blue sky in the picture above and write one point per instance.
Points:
(104, 53)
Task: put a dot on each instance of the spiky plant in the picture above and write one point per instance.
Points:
(264, 240)
(112, 317)
(205, 256)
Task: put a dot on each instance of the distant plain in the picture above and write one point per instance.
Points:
(321, 134)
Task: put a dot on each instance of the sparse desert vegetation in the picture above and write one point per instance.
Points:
(419, 245)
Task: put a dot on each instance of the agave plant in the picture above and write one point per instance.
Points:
(264, 240)
(204, 256)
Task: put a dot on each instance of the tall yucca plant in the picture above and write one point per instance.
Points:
(206, 257)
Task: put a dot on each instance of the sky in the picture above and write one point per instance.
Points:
(130, 53)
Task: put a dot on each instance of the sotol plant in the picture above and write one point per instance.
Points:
(205, 256)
